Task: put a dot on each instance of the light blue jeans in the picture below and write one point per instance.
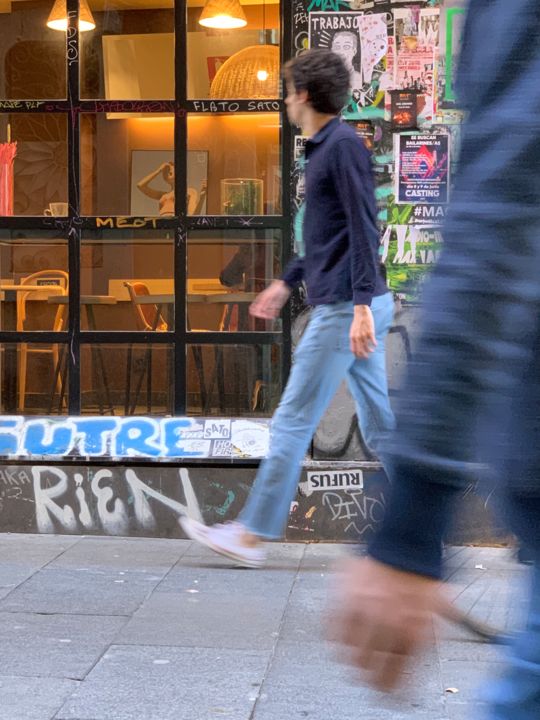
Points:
(322, 360)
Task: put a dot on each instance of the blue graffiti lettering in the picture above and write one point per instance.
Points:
(137, 438)
(92, 433)
(47, 439)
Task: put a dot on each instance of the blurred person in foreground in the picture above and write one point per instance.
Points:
(479, 347)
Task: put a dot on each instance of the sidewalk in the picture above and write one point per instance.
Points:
(134, 629)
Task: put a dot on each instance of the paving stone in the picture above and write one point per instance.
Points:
(54, 645)
(82, 591)
(23, 555)
(33, 698)
(213, 608)
(133, 554)
(160, 683)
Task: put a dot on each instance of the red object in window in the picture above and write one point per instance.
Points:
(7, 155)
(214, 63)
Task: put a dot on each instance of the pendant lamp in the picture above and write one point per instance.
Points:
(223, 15)
(251, 73)
(57, 19)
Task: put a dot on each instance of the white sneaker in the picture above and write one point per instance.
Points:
(225, 540)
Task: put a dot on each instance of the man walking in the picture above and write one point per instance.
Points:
(479, 347)
(352, 313)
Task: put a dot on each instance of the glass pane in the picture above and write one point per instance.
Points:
(226, 270)
(239, 63)
(127, 379)
(36, 169)
(34, 281)
(238, 380)
(244, 163)
(127, 280)
(130, 53)
(126, 165)
(32, 55)
(33, 379)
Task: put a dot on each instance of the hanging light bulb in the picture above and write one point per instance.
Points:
(262, 75)
(223, 15)
(57, 19)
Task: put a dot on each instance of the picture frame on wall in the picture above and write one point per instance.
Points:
(152, 182)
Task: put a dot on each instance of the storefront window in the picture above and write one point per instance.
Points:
(91, 187)
(32, 55)
(243, 161)
(130, 53)
(127, 280)
(34, 281)
(127, 165)
(233, 50)
(34, 164)
(33, 378)
(226, 270)
(134, 379)
(238, 380)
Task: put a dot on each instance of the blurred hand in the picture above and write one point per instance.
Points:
(383, 616)
(268, 304)
(362, 332)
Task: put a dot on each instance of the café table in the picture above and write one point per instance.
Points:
(230, 299)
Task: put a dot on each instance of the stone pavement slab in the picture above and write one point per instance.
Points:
(23, 555)
(160, 683)
(72, 644)
(33, 698)
(97, 628)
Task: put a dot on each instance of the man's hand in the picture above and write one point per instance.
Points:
(268, 304)
(362, 332)
(382, 616)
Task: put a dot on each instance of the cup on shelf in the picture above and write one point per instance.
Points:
(56, 209)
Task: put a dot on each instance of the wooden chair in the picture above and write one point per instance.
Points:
(61, 288)
(148, 318)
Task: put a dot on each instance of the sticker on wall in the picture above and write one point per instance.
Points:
(340, 480)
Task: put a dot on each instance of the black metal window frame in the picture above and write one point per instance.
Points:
(72, 227)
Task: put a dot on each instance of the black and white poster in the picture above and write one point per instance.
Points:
(361, 40)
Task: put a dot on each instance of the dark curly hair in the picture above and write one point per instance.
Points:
(324, 75)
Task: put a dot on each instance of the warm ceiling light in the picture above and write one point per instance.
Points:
(251, 73)
(57, 19)
(223, 15)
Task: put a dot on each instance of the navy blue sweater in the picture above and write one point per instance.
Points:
(340, 227)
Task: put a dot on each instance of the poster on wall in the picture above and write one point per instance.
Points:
(409, 252)
(422, 169)
(365, 131)
(362, 42)
(404, 109)
(416, 37)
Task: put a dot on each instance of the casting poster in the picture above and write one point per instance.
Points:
(422, 169)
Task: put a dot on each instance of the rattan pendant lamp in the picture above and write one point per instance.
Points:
(251, 73)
